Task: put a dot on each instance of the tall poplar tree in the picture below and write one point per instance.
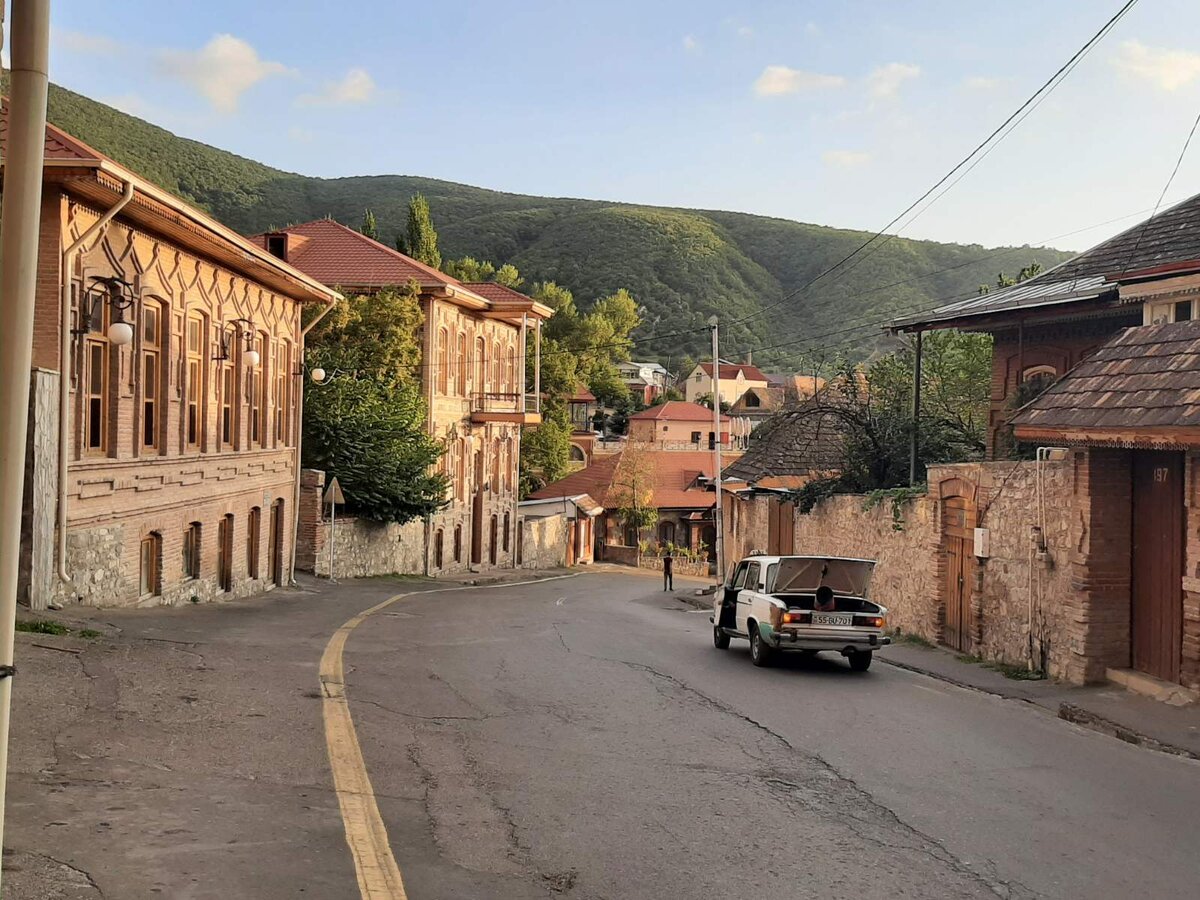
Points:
(369, 228)
(422, 238)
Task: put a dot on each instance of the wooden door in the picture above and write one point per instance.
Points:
(957, 539)
(1158, 535)
(225, 553)
(477, 512)
(275, 544)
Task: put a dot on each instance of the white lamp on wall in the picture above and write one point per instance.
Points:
(243, 330)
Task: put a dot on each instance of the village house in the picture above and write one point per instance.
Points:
(678, 425)
(733, 381)
(164, 422)
(474, 344)
(1096, 362)
(646, 381)
(582, 407)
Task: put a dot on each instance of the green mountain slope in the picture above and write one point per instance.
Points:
(682, 265)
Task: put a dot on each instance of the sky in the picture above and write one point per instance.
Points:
(839, 112)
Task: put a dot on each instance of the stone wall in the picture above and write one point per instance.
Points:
(362, 548)
(543, 542)
(620, 554)
(38, 566)
(698, 568)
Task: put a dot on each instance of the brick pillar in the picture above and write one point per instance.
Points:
(1098, 623)
(310, 538)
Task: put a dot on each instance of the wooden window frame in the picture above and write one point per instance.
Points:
(258, 378)
(96, 398)
(283, 367)
(193, 541)
(227, 422)
(480, 364)
(497, 370)
(442, 379)
(151, 373)
(464, 364)
(193, 401)
(253, 542)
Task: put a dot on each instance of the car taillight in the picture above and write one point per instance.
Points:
(796, 618)
(872, 621)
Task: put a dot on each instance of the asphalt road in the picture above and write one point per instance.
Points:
(583, 738)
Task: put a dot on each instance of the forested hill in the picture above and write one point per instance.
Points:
(682, 265)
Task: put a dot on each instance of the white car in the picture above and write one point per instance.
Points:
(801, 604)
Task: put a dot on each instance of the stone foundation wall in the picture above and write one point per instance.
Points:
(617, 553)
(362, 548)
(544, 542)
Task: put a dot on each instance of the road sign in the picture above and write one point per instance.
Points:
(333, 494)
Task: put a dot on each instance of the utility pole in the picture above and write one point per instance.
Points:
(915, 438)
(716, 393)
(20, 215)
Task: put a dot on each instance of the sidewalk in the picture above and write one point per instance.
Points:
(1106, 708)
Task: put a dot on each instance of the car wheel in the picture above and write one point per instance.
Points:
(760, 653)
(860, 660)
(720, 639)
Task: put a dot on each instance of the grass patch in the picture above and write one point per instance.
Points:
(1008, 670)
(42, 626)
(913, 640)
(89, 633)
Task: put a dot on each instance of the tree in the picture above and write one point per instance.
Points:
(369, 228)
(545, 454)
(508, 276)
(1003, 281)
(632, 490)
(469, 269)
(421, 238)
(365, 425)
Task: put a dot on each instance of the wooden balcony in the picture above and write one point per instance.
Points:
(493, 407)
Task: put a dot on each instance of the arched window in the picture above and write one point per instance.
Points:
(496, 453)
(225, 553)
(191, 551)
(511, 374)
(497, 361)
(151, 372)
(666, 532)
(480, 365)
(196, 393)
(460, 482)
(463, 363)
(510, 464)
(442, 376)
(259, 379)
(458, 543)
(283, 391)
(95, 380)
(507, 525)
(150, 568)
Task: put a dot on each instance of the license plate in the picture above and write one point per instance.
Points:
(830, 619)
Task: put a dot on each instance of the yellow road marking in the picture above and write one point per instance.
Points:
(378, 874)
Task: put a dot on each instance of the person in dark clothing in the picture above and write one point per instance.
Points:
(668, 572)
(824, 599)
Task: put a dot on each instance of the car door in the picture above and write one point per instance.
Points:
(729, 596)
(745, 597)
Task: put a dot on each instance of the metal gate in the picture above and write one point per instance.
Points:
(1158, 535)
(957, 541)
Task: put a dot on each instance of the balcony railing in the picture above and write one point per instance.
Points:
(493, 402)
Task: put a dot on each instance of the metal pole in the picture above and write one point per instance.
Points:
(914, 445)
(716, 392)
(21, 216)
(332, 523)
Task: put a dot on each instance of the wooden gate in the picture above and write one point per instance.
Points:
(957, 542)
(1158, 535)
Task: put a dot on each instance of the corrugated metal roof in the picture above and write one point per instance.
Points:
(1032, 293)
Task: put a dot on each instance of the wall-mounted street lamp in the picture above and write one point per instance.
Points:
(119, 295)
(238, 330)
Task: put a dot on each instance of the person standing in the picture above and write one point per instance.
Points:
(668, 572)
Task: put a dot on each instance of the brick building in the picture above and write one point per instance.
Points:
(733, 380)
(177, 473)
(473, 375)
(678, 425)
(1098, 357)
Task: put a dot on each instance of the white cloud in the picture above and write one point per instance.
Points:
(981, 83)
(885, 81)
(745, 31)
(845, 159)
(356, 87)
(690, 44)
(812, 29)
(777, 80)
(83, 43)
(1166, 69)
(222, 70)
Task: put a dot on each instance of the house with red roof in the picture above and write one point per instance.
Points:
(478, 393)
(733, 380)
(677, 425)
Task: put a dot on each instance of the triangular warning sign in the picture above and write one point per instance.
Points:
(333, 494)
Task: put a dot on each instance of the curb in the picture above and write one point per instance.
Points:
(1068, 712)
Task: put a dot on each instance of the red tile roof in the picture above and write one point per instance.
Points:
(336, 255)
(582, 395)
(678, 411)
(729, 370)
(674, 474)
(489, 290)
(59, 144)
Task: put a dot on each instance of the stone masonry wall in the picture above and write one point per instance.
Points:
(544, 542)
(363, 548)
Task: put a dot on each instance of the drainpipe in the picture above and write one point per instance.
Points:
(299, 437)
(64, 365)
(22, 203)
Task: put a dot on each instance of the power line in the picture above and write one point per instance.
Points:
(1034, 99)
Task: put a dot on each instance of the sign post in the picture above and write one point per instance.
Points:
(333, 496)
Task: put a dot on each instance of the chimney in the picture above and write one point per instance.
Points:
(749, 357)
